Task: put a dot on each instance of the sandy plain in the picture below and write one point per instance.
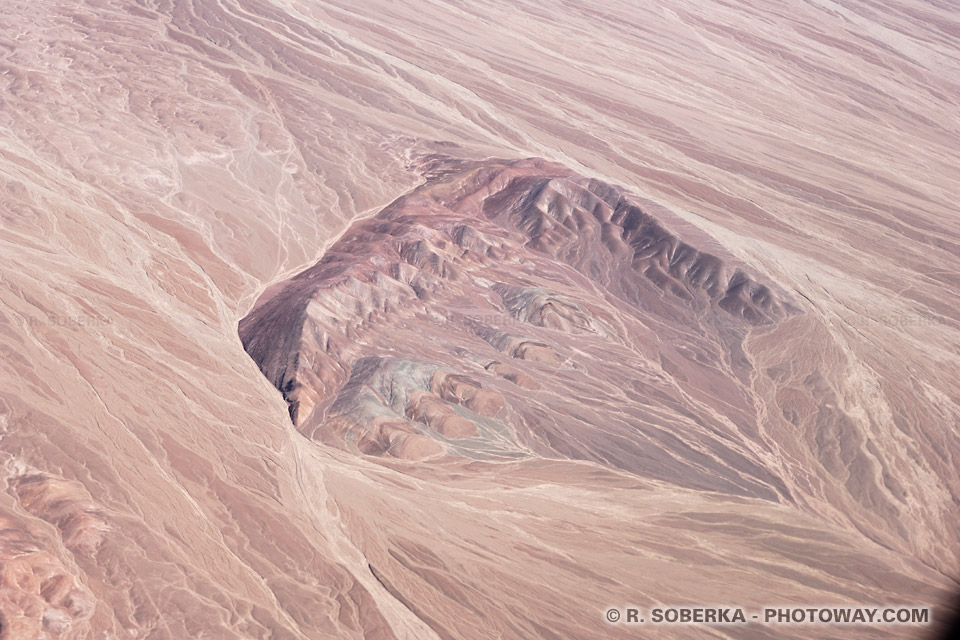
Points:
(163, 164)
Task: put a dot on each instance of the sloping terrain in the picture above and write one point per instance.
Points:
(505, 314)
(519, 394)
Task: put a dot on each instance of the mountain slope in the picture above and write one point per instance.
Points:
(164, 164)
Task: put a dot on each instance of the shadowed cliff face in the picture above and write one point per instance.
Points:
(511, 311)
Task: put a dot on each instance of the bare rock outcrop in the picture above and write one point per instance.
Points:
(386, 345)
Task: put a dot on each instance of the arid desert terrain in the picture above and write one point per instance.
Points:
(422, 319)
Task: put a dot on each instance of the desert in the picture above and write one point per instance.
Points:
(433, 319)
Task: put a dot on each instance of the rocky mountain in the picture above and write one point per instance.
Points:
(435, 319)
